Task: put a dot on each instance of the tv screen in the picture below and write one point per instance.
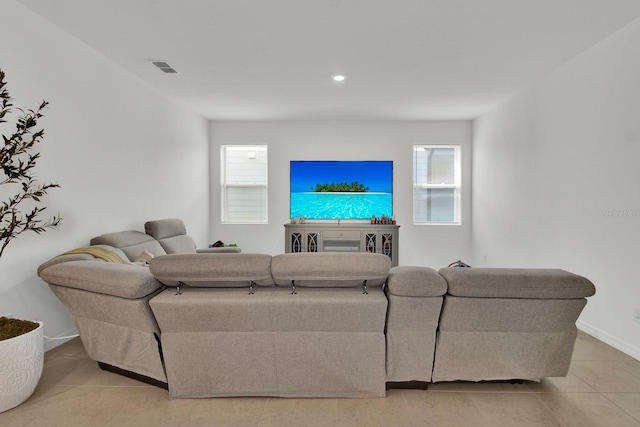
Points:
(328, 189)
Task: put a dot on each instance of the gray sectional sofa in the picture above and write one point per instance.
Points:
(308, 325)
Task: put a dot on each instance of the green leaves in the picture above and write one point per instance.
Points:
(17, 163)
(340, 187)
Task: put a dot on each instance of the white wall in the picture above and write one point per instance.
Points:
(556, 181)
(433, 245)
(122, 153)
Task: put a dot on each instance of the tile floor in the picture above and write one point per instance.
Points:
(602, 389)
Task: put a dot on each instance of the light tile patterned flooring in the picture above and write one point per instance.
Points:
(602, 389)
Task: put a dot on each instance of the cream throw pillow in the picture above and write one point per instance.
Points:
(145, 256)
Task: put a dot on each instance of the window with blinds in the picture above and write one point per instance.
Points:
(243, 179)
(436, 184)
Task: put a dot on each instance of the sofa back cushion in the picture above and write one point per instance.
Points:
(516, 283)
(413, 281)
(217, 270)
(172, 235)
(132, 243)
(330, 269)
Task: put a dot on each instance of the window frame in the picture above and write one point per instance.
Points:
(225, 184)
(456, 186)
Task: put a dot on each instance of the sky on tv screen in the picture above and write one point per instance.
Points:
(377, 175)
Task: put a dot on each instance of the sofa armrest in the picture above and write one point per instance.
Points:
(122, 280)
(64, 258)
(219, 250)
(408, 281)
(516, 283)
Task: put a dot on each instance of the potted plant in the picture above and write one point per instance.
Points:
(21, 341)
(22, 354)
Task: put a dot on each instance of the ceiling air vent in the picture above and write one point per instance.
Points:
(164, 67)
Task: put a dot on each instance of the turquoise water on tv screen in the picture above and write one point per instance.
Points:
(340, 205)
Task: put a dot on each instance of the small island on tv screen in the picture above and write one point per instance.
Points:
(341, 189)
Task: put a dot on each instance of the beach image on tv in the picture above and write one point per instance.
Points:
(341, 189)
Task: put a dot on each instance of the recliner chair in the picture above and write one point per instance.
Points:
(172, 235)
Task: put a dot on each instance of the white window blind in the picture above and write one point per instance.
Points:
(436, 184)
(244, 184)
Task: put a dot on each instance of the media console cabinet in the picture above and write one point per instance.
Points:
(348, 237)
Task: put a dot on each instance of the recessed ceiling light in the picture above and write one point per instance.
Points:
(338, 78)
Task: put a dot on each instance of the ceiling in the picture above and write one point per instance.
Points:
(404, 59)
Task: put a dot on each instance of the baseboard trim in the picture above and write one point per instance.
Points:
(609, 339)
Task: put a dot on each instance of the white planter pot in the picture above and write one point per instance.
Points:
(22, 359)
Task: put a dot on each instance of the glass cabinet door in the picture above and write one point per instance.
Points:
(296, 242)
(312, 242)
(370, 240)
(387, 244)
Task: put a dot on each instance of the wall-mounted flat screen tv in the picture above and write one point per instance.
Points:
(341, 189)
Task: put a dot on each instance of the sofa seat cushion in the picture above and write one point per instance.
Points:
(329, 269)
(271, 310)
(516, 283)
(217, 270)
(132, 243)
(121, 280)
(408, 281)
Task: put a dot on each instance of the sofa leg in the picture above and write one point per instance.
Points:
(408, 385)
(133, 375)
